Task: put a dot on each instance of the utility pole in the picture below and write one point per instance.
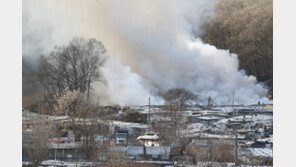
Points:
(55, 156)
(211, 151)
(232, 99)
(179, 120)
(88, 89)
(144, 152)
(236, 155)
(149, 109)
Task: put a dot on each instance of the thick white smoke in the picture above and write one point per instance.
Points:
(123, 86)
(154, 41)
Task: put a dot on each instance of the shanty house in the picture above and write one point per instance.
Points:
(159, 153)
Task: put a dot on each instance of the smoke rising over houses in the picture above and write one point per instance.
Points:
(151, 47)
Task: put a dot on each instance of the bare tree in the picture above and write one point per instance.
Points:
(215, 150)
(71, 68)
(176, 100)
(71, 104)
(91, 144)
(81, 112)
(179, 97)
(35, 141)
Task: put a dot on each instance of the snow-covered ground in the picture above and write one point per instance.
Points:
(194, 128)
(54, 163)
(258, 152)
(213, 136)
(259, 118)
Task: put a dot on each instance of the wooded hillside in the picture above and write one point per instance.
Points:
(245, 27)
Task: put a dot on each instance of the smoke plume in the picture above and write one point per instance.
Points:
(152, 47)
